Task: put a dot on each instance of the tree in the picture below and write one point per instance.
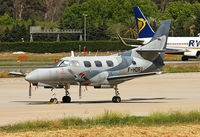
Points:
(179, 28)
(179, 9)
(6, 6)
(105, 12)
(197, 24)
(25, 9)
(6, 20)
(7, 35)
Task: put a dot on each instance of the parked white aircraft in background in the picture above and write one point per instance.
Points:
(189, 47)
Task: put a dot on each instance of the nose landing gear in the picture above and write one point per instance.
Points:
(116, 98)
(53, 100)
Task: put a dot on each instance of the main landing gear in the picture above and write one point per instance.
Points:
(116, 98)
(66, 98)
(184, 58)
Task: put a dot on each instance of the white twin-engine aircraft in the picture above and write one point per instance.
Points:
(103, 71)
(189, 47)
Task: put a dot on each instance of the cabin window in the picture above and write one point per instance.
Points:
(98, 63)
(65, 63)
(133, 62)
(109, 63)
(75, 63)
(87, 64)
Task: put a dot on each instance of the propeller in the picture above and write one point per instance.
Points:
(80, 90)
(29, 90)
(80, 79)
(86, 85)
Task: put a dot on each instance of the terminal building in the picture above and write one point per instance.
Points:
(36, 30)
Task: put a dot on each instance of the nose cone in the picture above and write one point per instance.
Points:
(40, 75)
(31, 76)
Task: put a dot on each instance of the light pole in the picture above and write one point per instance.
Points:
(85, 15)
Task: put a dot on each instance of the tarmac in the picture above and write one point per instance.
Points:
(141, 96)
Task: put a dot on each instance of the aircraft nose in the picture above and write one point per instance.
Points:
(31, 77)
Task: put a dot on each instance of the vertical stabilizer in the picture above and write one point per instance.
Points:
(157, 46)
(143, 27)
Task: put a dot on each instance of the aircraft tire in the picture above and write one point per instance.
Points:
(116, 99)
(198, 55)
(66, 99)
(184, 58)
(54, 100)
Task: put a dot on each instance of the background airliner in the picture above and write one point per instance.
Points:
(189, 47)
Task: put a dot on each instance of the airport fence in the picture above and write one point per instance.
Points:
(67, 46)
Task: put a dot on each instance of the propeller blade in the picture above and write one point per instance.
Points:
(30, 90)
(70, 71)
(86, 85)
(80, 90)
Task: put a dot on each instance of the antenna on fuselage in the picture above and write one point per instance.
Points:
(96, 53)
(72, 53)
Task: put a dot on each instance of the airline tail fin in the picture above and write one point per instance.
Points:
(143, 27)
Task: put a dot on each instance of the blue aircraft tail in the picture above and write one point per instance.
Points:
(143, 27)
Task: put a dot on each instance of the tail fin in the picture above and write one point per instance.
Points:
(155, 49)
(143, 27)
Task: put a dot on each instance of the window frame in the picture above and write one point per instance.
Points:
(108, 63)
(97, 64)
(86, 64)
(64, 63)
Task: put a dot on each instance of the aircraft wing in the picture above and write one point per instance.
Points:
(17, 74)
(176, 50)
(122, 78)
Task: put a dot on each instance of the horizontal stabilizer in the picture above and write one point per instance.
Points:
(134, 46)
(176, 50)
(140, 42)
(149, 50)
(17, 74)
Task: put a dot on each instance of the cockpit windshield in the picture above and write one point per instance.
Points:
(66, 63)
(58, 63)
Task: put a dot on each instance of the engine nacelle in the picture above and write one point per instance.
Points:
(103, 86)
(47, 85)
(192, 53)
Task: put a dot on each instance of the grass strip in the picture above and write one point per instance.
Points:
(27, 64)
(108, 119)
(181, 68)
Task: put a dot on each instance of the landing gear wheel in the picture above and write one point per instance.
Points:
(116, 99)
(54, 100)
(184, 58)
(66, 99)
